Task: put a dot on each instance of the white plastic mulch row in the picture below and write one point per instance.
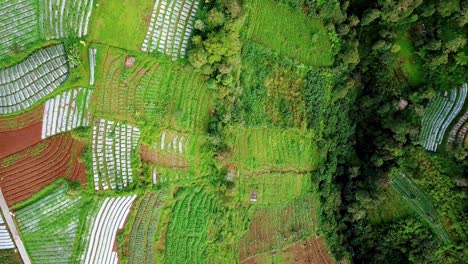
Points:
(26, 83)
(92, 65)
(65, 18)
(112, 145)
(439, 115)
(170, 27)
(5, 238)
(110, 218)
(18, 25)
(66, 111)
(171, 143)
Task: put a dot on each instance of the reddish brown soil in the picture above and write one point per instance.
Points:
(21, 121)
(31, 173)
(17, 140)
(310, 250)
(78, 173)
(165, 160)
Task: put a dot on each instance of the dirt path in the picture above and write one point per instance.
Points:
(11, 225)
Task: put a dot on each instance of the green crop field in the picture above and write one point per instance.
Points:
(263, 149)
(50, 226)
(156, 92)
(420, 202)
(187, 230)
(266, 187)
(121, 24)
(291, 34)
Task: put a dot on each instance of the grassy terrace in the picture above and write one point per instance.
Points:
(291, 34)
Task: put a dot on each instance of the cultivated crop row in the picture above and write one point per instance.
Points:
(440, 113)
(26, 83)
(102, 234)
(5, 238)
(31, 172)
(274, 227)
(49, 226)
(18, 25)
(170, 27)
(420, 202)
(92, 65)
(112, 145)
(65, 18)
(143, 234)
(26, 119)
(65, 112)
(458, 132)
(186, 237)
(259, 148)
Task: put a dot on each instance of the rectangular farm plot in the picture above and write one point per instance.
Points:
(170, 27)
(50, 225)
(28, 82)
(66, 111)
(65, 18)
(258, 149)
(112, 145)
(291, 34)
(102, 233)
(18, 25)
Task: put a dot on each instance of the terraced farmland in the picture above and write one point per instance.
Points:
(18, 26)
(143, 233)
(274, 227)
(186, 237)
(170, 27)
(439, 114)
(65, 112)
(457, 135)
(159, 92)
(288, 33)
(26, 119)
(420, 202)
(111, 217)
(266, 186)
(34, 168)
(112, 145)
(63, 19)
(49, 226)
(26, 83)
(273, 149)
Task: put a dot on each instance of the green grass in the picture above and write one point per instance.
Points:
(420, 202)
(121, 23)
(291, 34)
(408, 61)
(266, 187)
(257, 149)
(187, 232)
